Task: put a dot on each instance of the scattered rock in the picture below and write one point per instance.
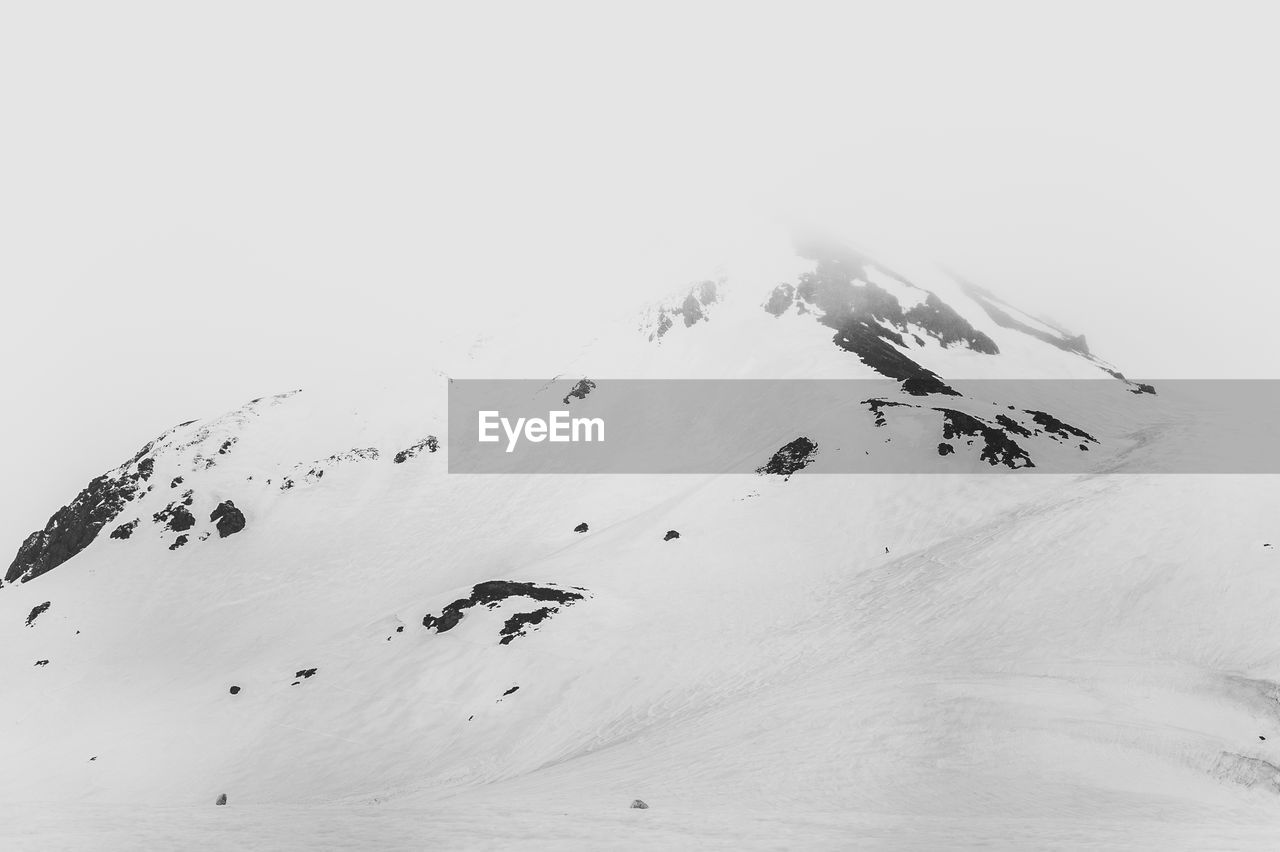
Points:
(429, 443)
(945, 449)
(41, 663)
(580, 528)
(317, 468)
(222, 800)
(235, 690)
(400, 629)
(639, 804)
(229, 519)
(303, 674)
(670, 535)
(178, 542)
(877, 407)
(692, 309)
(175, 482)
(37, 610)
(511, 690)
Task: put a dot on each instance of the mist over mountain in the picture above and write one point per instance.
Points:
(294, 604)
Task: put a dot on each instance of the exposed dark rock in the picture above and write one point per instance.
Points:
(515, 624)
(869, 320)
(1058, 429)
(318, 468)
(998, 447)
(877, 407)
(873, 344)
(400, 629)
(40, 663)
(638, 804)
(429, 443)
(945, 449)
(580, 390)
(37, 611)
(303, 674)
(176, 517)
(782, 297)
(511, 690)
(222, 800)
(691, 309)
(175, 482)
(228, 518)
(670, 535)
(178, 542)
(74, 527)
(794, 456)
(581, 528)
(125, 530)
(940, 320)
(226, 446)
(235, 690)
(1005, 320)
(1011, 425)
(490, 593)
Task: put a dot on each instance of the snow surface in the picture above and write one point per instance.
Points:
(1009, 661)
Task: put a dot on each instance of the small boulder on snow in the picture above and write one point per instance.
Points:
(639, 804)
(581, 528)
(36, 611)
(670, 535)
(222, 800)
(229, 519)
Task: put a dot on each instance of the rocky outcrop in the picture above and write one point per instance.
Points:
(580, 390)
(493, 592)
(228, 518)
(176, 517)
(74, 527)
(125, 530)
(429, 443)
(690, 308)
(997, 446)
(794, 456)
(36, 612)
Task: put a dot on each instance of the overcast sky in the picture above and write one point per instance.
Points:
(203, 203)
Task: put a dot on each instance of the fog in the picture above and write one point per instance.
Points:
(203, 204)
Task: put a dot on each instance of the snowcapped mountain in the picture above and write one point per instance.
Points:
(296, 605)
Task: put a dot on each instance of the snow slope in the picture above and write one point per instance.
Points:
(816, 662)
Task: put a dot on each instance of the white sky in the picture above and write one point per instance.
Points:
(203, 203)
